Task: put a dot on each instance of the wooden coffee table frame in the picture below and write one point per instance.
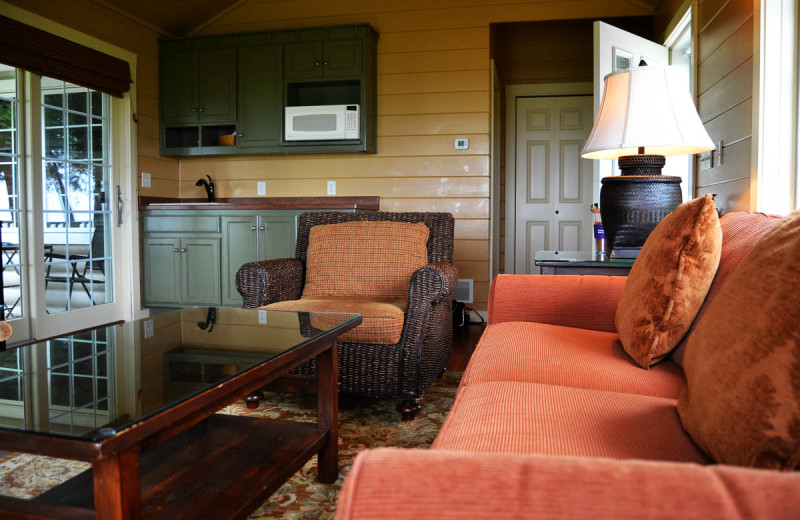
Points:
(189, 462)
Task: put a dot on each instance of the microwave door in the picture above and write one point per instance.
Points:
(315, 126)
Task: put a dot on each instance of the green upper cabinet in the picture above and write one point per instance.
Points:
(226, 94)
(198, 86)
(259, 97)
(328, 59)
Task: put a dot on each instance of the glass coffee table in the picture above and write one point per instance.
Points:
(139, 400)
(581, 263)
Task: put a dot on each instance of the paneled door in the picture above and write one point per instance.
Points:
(553, 184)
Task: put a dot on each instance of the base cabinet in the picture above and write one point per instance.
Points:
(181, 271)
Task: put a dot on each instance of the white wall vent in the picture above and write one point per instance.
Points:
(463, 292)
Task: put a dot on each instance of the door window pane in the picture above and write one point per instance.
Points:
(76, 216)
(10, 225)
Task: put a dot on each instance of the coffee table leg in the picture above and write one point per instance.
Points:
(328, 414)
(116, 485)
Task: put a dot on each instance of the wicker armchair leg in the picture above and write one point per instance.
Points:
(408, 408)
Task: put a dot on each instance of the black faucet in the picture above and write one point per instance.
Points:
(209, 186)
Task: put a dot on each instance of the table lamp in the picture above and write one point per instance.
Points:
(646, 113)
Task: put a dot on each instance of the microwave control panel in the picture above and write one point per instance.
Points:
(351, 122)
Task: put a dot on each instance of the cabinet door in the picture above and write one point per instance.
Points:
(216, 85)
(200, 270)
(342, 58)
(277, 235)
(238, 247)
(259, 97)
(302, 60)
(178, 88)
(161, 282)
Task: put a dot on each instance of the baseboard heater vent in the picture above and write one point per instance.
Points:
(463, 292)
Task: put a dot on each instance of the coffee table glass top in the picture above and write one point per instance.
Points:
(93, 384)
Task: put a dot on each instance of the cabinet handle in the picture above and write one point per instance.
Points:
(194, 109)
(261, 228)
(252, 228)
(240, 134)
(200, 109)
(325, 63)
(174, 249)
(316, 63)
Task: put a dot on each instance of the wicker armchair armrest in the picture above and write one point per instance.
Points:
(269, 281)
(432, 283)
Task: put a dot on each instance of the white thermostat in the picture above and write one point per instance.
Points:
(462, 143)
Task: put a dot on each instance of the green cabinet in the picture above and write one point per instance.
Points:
(198, 86)
(322, 59)
(239, 84)
(181, 271)
(249, 237)
(259, 86)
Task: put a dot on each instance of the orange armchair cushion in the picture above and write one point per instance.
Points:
(741, 404)
(364, 259)
(669, 281)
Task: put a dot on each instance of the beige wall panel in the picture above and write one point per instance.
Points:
(442, 81)
(735, 166)
(476, 123)
(477, 250)
(466, 208)
(147, 83)
(731, 196)
(443, 103)
(732, 125)
(733, 52)
(480, 293)
(707, 10)
(474, 270)
(433, 61)
(733, 89)
(551, 72)
(722, 26)
(325, 166)
(448, 39)
(146, 105)
(148, 146)
(432, 145)
(471, 229)
(147, 126)
(159, 167)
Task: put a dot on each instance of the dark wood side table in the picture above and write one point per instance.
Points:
(580, 263)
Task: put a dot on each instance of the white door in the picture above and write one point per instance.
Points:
(553, 186)
(615, 49)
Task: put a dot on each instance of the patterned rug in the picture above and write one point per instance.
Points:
(363, 423)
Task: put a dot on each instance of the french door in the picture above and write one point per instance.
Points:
(56, 191)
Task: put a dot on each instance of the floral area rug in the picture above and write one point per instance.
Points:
(363, 423)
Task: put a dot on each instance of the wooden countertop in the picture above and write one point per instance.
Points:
(365, 203)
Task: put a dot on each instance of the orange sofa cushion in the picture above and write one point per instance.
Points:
(382, 321)
(516, 417)
(669, 281)
(740, 232)
(742, 399)
(541, 353)
(364, 259)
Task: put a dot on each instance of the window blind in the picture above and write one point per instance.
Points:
(40, 52)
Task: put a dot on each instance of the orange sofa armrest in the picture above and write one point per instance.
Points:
(405, 484)
(586, 302)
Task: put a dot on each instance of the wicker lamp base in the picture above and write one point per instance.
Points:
(632, 204)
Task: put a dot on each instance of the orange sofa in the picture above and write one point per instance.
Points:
(554, 420)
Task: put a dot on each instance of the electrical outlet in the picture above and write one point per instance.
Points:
(148, 329)
(145, 180)
(331, 187)
(262, 188)
(262, 317)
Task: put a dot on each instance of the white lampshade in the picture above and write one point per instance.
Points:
(649, 107)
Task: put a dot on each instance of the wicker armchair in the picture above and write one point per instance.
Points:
(406, 369)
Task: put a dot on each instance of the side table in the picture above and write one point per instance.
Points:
(580, 263)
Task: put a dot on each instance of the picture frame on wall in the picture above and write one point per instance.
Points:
(621, 59)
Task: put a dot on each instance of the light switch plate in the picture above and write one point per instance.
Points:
(146, 183)
(262, 188)
(331, 187)
(262, 317)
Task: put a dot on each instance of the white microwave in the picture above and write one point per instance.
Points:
(322, 123)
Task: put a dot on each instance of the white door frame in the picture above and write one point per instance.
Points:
(512, 93)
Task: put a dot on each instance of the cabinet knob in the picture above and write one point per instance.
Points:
(182, 250)
(316, 63)
(252, 228)
(174, 249)
(240, 134)
(200, 109)
(325, 63)
(194, 109)
(261, 228)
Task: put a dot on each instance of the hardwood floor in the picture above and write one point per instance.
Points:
(464, 341)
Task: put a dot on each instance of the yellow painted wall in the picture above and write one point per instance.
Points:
(433, 86)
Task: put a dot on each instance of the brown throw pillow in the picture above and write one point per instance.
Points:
(741, 404)
(669, 281)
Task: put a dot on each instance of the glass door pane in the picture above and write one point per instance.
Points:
(10, 223)
(76, 221)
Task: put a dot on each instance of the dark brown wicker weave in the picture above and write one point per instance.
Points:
(406, 369)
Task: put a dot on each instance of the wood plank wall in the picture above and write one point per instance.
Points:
(433, 86)
(725, 97)
(95, 20)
